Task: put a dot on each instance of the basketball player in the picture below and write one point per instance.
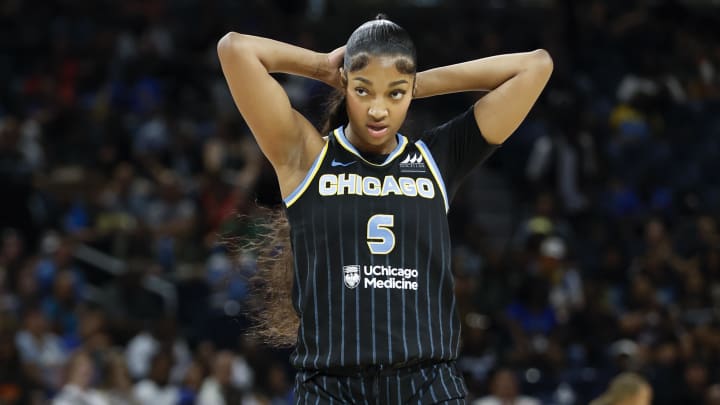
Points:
(370, 270)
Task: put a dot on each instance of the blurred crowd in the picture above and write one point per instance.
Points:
(128, 175)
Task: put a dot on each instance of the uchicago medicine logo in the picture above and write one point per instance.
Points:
(378, 276)
(352, 276)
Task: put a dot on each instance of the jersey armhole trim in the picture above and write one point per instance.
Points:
(434, 170)
(300, 189)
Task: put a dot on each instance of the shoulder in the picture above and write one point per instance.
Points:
(464, 121)
(460, 131)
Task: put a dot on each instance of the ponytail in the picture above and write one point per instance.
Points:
(274, 319)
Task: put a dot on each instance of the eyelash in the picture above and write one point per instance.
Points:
(395, 94)
(399, 93)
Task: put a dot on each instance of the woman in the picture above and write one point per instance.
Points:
(117, 385)
(78, 387)
(370, 273)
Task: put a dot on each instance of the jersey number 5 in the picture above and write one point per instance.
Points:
(380, 239)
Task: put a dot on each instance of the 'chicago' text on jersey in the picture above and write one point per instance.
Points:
(354, 184)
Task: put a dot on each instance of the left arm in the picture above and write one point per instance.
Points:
(514, 82)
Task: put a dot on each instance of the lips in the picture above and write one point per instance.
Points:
(377, 130)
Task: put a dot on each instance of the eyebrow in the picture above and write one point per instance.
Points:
(395, 83)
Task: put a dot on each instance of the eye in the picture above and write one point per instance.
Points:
(397, 94)
(361, 91)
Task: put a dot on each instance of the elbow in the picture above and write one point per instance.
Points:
(225, 43)
(542, 61)
(231, 44)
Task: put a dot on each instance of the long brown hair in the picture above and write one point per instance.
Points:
(275, 320)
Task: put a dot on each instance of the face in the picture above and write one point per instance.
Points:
(505, 385)
(378, 97)
(223, 367)
(82, 371)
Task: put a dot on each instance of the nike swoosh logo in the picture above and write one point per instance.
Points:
(335, 163)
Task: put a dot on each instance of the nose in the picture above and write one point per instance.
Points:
(377, 112)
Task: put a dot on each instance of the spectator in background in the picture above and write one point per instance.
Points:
(15, 387)
(533, 326)
(157, 389)
(626, 355)
(62, 307)
(41, 351)
(191, 384)
(566, 284)
(659, 262)
(129, 304)
(232, 168)
(666, 372)
(147, 344)
(170, 218)
(117, 386)
(544, 220)
(712, 397)
(8, 301)
(277, 388)
(92, 331)
(77, 388)
(626, 389)
(121, 202)
(57, 256)
(504, 390)
(27, 289)
(694, 299)
(220, 201)
(562, 153)
(12, 251)
(218, 387)
(696, 378)
(531, 313)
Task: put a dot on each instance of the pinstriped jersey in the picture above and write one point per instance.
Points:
(371, 245)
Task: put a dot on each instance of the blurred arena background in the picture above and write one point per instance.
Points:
(588, 244)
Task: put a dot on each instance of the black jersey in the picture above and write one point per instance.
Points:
(371, 249)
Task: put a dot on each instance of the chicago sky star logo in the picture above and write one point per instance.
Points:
(352, 275)
(413, 162)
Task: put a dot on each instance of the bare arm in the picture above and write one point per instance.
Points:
(514, 82)
(285, 136)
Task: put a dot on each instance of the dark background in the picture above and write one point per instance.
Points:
(586, 246)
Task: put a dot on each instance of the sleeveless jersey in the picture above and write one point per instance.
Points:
(371, 245)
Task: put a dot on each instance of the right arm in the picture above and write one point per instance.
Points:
(286, 138)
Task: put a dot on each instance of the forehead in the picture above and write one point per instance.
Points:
(381, 70)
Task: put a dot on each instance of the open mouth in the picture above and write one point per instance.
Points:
(377, 130)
